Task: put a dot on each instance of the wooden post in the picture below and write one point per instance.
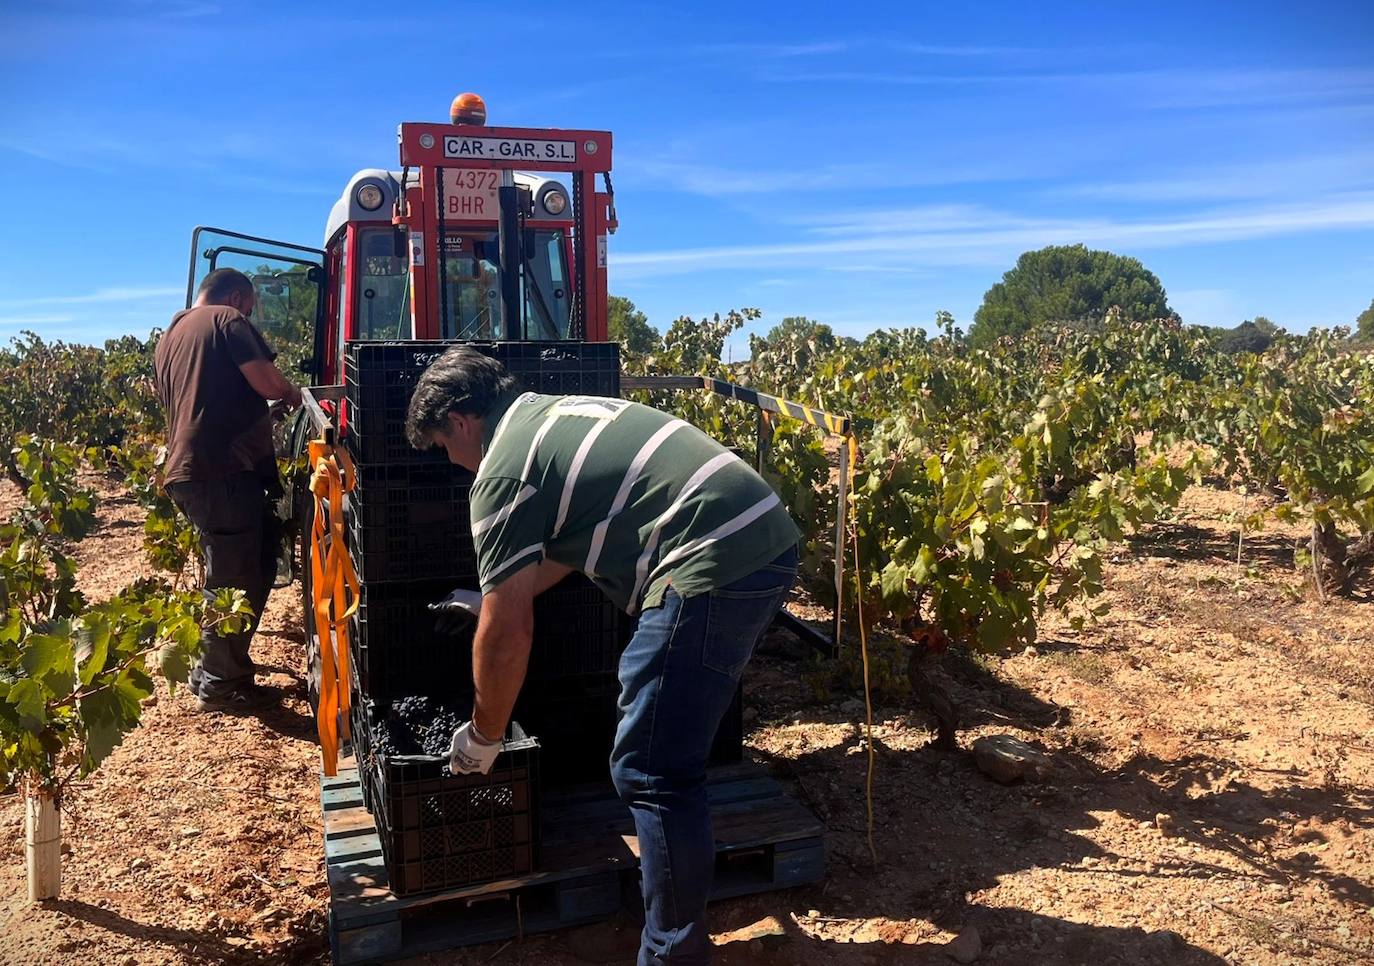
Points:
(841, 505)
(764, 436)
(43, 843)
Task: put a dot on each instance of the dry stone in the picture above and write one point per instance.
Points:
(1008, 760)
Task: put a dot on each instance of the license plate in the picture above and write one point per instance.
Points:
(470, 194)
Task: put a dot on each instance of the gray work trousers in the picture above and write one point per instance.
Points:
(231, 517)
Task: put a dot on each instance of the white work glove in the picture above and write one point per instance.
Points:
(471, 753)
(455, 610)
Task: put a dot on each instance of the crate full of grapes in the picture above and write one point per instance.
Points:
(439, 830)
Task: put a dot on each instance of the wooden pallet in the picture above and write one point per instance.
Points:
(588, 859)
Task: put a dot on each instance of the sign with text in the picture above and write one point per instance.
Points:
(509, 149)
(470, 193)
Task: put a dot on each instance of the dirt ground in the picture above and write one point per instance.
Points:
(1210, 798)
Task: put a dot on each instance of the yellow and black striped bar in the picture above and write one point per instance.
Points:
(831, 423)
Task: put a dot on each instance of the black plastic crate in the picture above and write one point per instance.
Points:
(441, 548)
(579, 635)
(374, 364)
(396, 649)
(575, 723)
(443, 831)
(380, 437)
(411, 521)
(361, 738)
(576, 726)
(578, 632)
(380, 376)
(380, 487)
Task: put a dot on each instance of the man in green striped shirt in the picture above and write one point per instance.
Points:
(671, 526)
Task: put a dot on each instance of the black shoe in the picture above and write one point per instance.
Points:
(244, 700)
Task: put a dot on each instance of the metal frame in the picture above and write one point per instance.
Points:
(832, 425)
(321, 423)
(319, 337)
(589, 154)
(195, 236)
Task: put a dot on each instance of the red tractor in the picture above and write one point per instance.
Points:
(457, 244)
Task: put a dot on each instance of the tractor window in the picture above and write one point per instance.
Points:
(288, 281)
(383, 287)
(473, 282)
(473, 265)
(546, 289)
(340, 258)
(285, 312)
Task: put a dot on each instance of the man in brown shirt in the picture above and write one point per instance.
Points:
(214, 375)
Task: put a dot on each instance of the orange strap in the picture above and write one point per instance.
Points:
(335, 591)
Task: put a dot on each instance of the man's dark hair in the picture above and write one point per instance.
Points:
(219, 285)
(462, 380)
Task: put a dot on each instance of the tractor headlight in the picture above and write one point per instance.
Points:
(369, 197)
(555, 202)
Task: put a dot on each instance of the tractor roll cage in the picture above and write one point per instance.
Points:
(432, 148)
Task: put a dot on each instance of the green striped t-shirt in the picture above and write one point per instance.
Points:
(631, 497)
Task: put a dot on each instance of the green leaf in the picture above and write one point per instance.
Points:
(1058, 439)
(995, 629)
(174, 663)
(924, 568)
(105, 721)
(92, 647)
(185, 632)
(892, 580)
(30, 703)
(1365, 483)
(48, 658)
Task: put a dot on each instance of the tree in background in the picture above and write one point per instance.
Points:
(1249, 336)
(1068, 283)
(1364, 323)
(799, 338)
(629, 326)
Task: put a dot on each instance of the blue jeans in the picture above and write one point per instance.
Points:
(677, 678)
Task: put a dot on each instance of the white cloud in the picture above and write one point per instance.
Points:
(1171, 88)
(238, 160)
(919, 218)
(178, 9)
(876, 269)
(1256, 179)
(996, 236)
(781, 51)
(719, 182)
(102, 296)
(968, 50)
(15, 320)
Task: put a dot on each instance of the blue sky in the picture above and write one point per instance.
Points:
(865, 165)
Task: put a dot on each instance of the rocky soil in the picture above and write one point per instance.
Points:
(1206, 794)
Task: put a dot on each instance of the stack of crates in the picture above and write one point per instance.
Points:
(409, 536)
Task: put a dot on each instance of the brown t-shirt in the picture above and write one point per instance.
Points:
(217, 424)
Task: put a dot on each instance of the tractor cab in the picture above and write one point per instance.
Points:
(483, 233)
